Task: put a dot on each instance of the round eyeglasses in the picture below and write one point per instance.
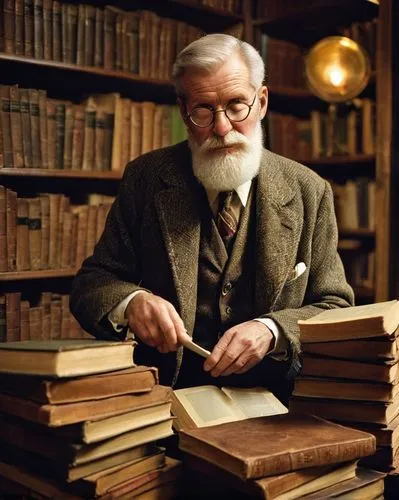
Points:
(204, 116)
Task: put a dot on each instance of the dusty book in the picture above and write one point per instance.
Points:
(317, 366)
(64, 414)
(348, 411)
(103, 385)
(60, 468)
(283, 486)
(57, 448)
(371, 320)
(65, 358)
(209, 405)
(275, 445)
(331, 388)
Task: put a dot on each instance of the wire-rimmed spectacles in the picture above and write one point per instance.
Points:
(204, 116)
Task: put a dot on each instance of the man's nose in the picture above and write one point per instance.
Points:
(222, 125)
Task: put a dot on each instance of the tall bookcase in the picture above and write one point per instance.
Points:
(71, 51)
(301, 24)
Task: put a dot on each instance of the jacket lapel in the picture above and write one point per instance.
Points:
(277, 232)
(177, 210)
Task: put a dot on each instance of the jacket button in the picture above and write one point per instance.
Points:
(227, 288)
(229, 310)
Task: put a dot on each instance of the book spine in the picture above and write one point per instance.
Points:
(23, 249)
(48, 30)
(28, 28)
(38, 29)
(3, 230)
(19, 27)
(34, 224)
(16, 127)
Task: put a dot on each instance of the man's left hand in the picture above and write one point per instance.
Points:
(239, 349)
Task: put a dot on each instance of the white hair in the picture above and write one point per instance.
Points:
(214, 50)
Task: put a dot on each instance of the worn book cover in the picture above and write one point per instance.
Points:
(277, 444)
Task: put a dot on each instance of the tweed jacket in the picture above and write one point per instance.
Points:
(152, 237)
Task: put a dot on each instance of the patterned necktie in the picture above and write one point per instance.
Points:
(228, 216)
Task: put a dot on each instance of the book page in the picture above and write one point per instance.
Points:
(256, 402)
(207, 405)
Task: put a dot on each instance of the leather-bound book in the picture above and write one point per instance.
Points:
(28, 28)
(3, 230)
(267, 446)
(35, 233)
(24, 320)
(23, 248)
(25, 124)
(11, 224)
(38, 29)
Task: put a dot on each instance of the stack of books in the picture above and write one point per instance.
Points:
(79, 419)
(283, 456)
(350, 374)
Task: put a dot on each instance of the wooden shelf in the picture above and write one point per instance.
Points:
(316, 19)
(339, 160)
(73, 174)
(35, 275)
(356, 233)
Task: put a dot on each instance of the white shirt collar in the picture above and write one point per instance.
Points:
(242, 191)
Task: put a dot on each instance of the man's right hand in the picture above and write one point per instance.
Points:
(155, 321)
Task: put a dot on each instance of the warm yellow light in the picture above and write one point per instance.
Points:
(336, 75)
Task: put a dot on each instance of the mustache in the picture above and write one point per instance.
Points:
(233, 138)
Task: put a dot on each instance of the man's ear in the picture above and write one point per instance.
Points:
(182, 109)
(263, 100)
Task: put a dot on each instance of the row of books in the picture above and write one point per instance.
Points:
(355, 203)
(139, 41)
(323, 135)
(350, 374)
(284, 62)
(90, 432)
(229, 5)
(103, 133)
(359, 263)
(46, 318)
(47, 231)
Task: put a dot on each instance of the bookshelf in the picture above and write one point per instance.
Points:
(294, 24)
(61, 48)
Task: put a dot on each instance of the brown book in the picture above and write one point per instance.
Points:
(287, 486)
(45, 303)
(148, 110)
(59, 134)
(55, 317)
(38, 29)
(99, 138)
(78, 137)
(64, 358)
(370, 320)
(25, 123)
(36, 328)
(90, 18)
(24, 321)
(23, 247)
(11, 224)
(347, 411)
(66, 47)
(315, 366)
(65, 317)
(3, 230)
(82, 212)
(51, 132)
(48, 30)
(91, 229)
(344, 389)
(80, 35)
(97, 484)
(13, 317)
(66, 241)
(34, 113)
(57, 31)
(366, 484)
(54, 202)
(109, 37)
(139, 379)
(8, 160)
(52, 446)
(360, 349)
(45, 231)
(59, 468)
(59, 415)
(157, 131)
(35, 236)
(125, 139)
(99, 38)
(136, 124)
(89, 137)
(69, 121)
(9, 26)
(16, 127)
(151, 482)
(288, 442)
(28, 28)
(64, 208)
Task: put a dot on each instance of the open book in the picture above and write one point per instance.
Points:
(209, 405)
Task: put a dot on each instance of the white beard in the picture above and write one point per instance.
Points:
(224, 171)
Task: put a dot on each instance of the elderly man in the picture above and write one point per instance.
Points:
(215, 238)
